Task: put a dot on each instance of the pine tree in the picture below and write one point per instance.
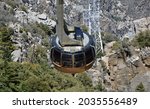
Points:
(6, 44)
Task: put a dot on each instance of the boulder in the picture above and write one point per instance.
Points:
(142, 24)
(42, 16)
(147, 61)
(113, 60)
(16, 55)
(121, 66)
(141, 78)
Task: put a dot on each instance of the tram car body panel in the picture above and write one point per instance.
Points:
(73, 61)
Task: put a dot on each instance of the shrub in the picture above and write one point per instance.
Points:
(116, 45)
(99, 87)
(45, 28)
(84, 28)
(23, 8)
(142, 39)
(140, 88)
(86, 81)
(6, 44)
(12, 3)
(108, 37)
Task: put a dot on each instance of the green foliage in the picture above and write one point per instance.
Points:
(38, 29)
(46, 42)
(140, 88)
(117, 45)
(100, 54)
(23, 8)
(38, 54)
(99, 87)
(29, 77)
(11, 11)
(12, 3)
(6, 44)
(45, 28)
(105, 69)
(122, 48)
(86, 81)
(6, 15)
(108, 37)
(142, 39)
(21, 30)
(84, 28)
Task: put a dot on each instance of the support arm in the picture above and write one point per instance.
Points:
(63, 38)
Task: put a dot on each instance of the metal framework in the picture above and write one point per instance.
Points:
(91, 18)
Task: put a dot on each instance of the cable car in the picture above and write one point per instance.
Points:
(73, 51)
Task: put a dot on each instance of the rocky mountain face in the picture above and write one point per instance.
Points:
(123, 73)
(124, 17)
(117, 72)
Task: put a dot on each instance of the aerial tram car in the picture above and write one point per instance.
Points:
(73, 51)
